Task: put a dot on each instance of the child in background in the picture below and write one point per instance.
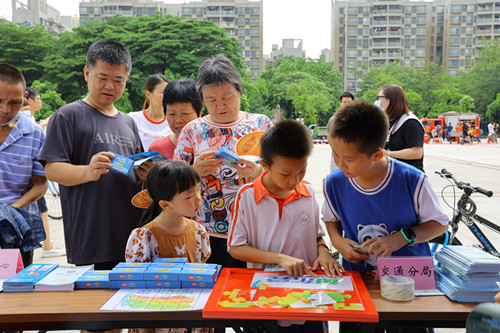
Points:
(175, 190)
(276, 218)
(181, 104)
(387, 206)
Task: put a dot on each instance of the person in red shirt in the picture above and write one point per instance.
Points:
(181, 104)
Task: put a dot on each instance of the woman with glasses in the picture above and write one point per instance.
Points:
(405, 140)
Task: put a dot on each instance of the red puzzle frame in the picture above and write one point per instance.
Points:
(241, 278)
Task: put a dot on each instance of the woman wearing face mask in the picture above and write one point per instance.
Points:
(405, 140)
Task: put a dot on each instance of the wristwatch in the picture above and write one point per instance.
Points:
(409, 235)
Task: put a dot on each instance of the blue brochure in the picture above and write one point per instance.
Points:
(121, 164)
(148, 155)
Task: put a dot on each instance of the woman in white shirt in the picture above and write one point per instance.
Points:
(151, 121)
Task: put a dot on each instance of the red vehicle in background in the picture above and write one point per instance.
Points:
(453, 119)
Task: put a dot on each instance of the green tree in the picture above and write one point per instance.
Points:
(25, 47)
(158, 44)
(466, 104)
(123, 103)
(51, 99)
(302, 88)
(419, 84)
(493, 110)
(482, 82)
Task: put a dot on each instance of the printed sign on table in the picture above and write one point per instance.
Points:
(10, 262)
(420, 269)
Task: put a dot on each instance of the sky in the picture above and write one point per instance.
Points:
(297, 19)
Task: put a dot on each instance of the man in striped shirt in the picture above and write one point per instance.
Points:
(22, 177)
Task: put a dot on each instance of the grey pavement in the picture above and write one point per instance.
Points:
(478, 164)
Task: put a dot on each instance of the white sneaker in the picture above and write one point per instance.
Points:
(55, 252)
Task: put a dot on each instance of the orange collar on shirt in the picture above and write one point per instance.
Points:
(260, 191)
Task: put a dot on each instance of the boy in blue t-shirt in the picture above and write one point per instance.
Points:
(380, 204)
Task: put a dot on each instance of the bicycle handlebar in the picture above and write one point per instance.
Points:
(464, 186)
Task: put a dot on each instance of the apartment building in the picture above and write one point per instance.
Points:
(40, 12)
(289, 48)
(103, 9)
(371, 33)
(242, 19)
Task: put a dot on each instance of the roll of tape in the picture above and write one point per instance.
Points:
(397, 287)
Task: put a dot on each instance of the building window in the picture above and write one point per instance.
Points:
(421, 20)
(352, 53)
(456, 8)
(420, 41)
(453, 73)
(421, 31)
(454, 52)
(254, 11)
(97, 10)
(185, 11)
(352, 10)
(455, 19)
(471, 8)
(352, 42)
(254, 64)
(351, 84)
(420, 63)
(254, 32)
(453, 63)
(254, 43)
(420, 53)
(352, 32)
(454, 31)
(241, 32)
(84, 10)
(421, 9)
(454, 41)
(255, 21)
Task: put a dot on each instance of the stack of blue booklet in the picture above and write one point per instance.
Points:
(26, 279)
(467, 273)
(164, 273)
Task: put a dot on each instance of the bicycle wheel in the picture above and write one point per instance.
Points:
(53, 201)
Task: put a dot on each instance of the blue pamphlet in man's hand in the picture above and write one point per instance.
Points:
(121, 164)
(148, 155)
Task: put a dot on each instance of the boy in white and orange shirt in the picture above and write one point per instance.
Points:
(276, 218)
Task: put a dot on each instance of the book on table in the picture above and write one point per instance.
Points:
(26, 279)
(63, 278)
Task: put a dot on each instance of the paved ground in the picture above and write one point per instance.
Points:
(478, 164)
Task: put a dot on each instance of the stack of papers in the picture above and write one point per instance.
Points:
(26, 279)
(467, 274)
(62, 278)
